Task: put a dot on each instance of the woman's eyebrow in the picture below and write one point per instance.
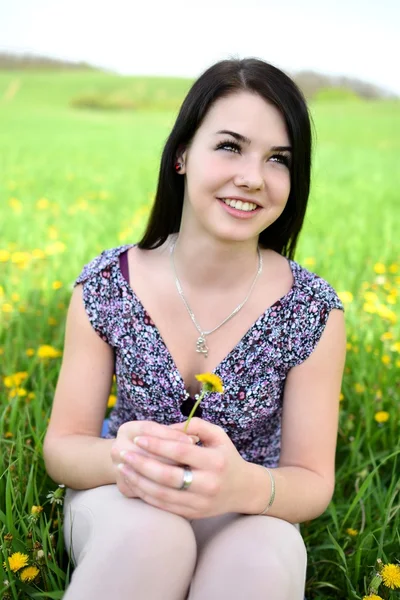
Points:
(245, 140)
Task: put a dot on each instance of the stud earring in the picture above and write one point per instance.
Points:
(178, 166)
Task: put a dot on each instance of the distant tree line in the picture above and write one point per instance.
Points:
(310, 83)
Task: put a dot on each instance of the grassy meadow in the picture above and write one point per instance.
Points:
(75, 181)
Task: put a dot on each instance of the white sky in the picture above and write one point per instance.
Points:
(358, 38)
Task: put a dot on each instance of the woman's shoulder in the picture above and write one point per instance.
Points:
(101, 262)
(312, 288)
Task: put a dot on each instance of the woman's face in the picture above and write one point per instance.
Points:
(251, 162)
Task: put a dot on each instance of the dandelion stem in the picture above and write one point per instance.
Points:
(199, 399)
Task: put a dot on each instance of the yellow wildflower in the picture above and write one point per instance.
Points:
(7, 307)
(379, 268)
(341, 397)
(352, 532)
(372, 597)
(359, 388)
(42, 204)
(29, 573)
(4, 255)
(56, 285)
(111, 401)
(385, 359)
(310, 261)
(48, 352)
(16, 379)
(390, 574)
(388, 335)
(393, 268)
(8, 435)
(381, 416)
(211, 381)
(36, 510)
(30, 352)
(395, 347)
(346, 297)
(370, 297)
(38, 253)
(17, 561)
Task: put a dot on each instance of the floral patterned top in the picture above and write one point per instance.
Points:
(254, 372)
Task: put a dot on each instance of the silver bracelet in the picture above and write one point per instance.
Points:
(272, 492)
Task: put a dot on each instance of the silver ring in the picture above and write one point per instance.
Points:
(187, 478)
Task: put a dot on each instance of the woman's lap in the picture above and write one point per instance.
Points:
(215, 556)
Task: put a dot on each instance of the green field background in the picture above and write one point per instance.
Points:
(75, 181)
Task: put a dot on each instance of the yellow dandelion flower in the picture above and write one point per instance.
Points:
(390, 574)
(359, 388)
(17, 561)
(385, 359)
(30, 352)
(352, 532)
(42, 204)
(55, 248)
(36, 510)
(310, 261)
(341, 397)
(370, 297)
(388, 335)
(7, 308)
(346, 297)
(369, 308)
(38, 253)
(29, 573)
(379, 268)
(395, 347)
(111, 401)
(8, 435)
(56, 285)
(46, 351)
(381, 416)
(4, 255)
(393, 268)
(372, 597)
(211, 382)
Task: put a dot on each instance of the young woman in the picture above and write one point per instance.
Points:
(211, 287)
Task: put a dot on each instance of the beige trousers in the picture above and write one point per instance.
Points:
(125, 549)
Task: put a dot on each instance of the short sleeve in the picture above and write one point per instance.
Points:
(96, 278)
(314, 304)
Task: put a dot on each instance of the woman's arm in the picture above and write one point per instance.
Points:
(74, 454)
(305, 477)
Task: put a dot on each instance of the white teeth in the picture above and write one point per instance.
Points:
(239, 205)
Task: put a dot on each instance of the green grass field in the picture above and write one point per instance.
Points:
(74, 182)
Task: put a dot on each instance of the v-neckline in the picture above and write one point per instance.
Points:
(171, 359)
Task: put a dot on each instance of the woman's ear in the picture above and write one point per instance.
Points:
(181, 159)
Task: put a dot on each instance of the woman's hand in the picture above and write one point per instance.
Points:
(124, 443)
(219, 472)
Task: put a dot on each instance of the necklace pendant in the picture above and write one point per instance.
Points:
(201, 346)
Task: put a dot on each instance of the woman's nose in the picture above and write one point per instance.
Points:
(251, 176)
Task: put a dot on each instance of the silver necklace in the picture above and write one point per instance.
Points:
(201, 345)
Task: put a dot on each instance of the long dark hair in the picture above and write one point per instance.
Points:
(221, 80)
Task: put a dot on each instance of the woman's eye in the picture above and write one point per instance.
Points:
(229, 145)
(281, 159)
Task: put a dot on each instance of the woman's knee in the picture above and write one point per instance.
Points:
(110, 522)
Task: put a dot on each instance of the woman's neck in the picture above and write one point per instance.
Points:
(205, 263)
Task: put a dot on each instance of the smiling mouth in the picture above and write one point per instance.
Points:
(242, 205)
